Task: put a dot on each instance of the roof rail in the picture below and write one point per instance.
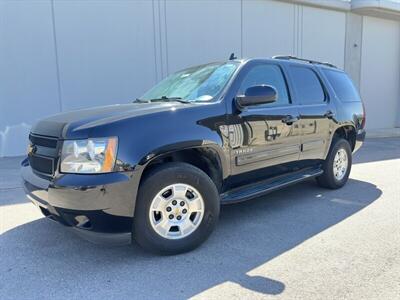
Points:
(289, 57)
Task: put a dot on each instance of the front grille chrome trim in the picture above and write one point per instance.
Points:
(45, 141)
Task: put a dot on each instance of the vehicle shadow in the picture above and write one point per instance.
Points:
(39, 259)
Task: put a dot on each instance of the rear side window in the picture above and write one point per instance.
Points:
(342, 85)
(307, 85)
(269, 75)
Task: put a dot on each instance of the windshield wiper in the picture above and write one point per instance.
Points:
(169, 99)
(162, 99)
(141, 100)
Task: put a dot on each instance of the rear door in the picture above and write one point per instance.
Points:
(316, 111)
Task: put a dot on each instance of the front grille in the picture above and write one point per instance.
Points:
(43, 157)
(42, 164)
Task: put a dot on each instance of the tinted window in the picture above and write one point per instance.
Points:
(342, 85)
(307, 85)
(269, 75)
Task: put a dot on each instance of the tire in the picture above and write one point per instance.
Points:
(184, 183)
(330, 179)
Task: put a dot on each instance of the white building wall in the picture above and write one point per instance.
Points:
(380, 72)
(105, 51)
(63, 55)
(323, 35)
(201, 31)
(28, 72)
(269, 28)
(272, 27)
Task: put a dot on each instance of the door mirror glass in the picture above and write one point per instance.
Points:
(256, 95)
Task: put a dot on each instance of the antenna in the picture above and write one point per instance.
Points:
(232, 57)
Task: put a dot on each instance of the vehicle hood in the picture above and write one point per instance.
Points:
(58, 125)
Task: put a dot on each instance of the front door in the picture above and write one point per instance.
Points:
(264, 138)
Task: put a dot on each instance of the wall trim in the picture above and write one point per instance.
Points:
(330, 4)
(385, 9)
(377, 8)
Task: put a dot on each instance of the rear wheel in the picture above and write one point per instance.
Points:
(176, 210)
(337, 165)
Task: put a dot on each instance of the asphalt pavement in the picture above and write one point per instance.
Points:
(304, 242)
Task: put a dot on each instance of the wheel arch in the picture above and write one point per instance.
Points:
(207, 156)
(347, 132)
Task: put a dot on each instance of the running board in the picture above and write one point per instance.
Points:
(261, 188)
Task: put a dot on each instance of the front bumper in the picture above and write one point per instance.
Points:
(102, 203)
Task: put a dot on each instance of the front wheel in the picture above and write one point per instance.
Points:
(337, 165)
(176, 210)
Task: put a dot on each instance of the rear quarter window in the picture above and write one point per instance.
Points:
(342, 86)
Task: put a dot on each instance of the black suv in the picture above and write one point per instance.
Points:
(158, 169)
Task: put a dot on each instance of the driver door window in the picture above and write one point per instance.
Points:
(267, 75)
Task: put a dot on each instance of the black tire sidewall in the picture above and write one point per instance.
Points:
(328, 168)
(168, 174)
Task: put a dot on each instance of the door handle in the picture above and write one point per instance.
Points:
(329, 114)
(289, 119)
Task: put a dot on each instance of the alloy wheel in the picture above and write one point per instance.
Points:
(176, 211)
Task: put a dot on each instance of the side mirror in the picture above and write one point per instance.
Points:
(256, 95)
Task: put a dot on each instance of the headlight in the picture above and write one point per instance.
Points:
(89, 156)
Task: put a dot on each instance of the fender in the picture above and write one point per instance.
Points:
(170, 148)
(167, 149)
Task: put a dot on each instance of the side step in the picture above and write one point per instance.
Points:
(260, 188)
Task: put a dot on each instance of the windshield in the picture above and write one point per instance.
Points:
(200, 83)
